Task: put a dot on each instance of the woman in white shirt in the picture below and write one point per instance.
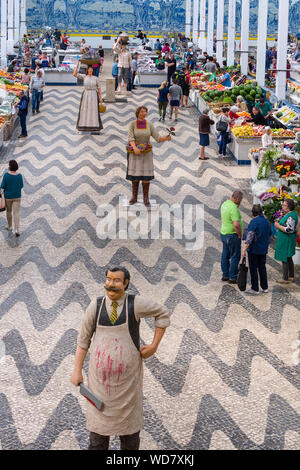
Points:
(266, 139)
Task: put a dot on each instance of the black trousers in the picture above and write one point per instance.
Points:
(257, 266)
(128, 442)
(288, 269)
(23, 117)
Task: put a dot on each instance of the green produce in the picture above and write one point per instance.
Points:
(279, 115)
(228, 100)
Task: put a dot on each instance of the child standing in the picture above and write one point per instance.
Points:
(162, 100)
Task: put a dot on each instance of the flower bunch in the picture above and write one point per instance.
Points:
(278, 215)
(292, 177)
(268, 195)
(282, 169)
(171, 131)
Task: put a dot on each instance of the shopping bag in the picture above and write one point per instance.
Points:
(242, 275)
(136, 80)
(2, 203)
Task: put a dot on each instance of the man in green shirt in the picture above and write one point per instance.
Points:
(231, 236)
(266, 110)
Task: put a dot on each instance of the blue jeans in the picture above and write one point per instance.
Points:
(231, 255)
(36, 99)
(23, 117)
(223, 143)
(257, 265)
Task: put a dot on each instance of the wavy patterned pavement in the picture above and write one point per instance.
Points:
(224, 370)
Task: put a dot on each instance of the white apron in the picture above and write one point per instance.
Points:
(115, 374)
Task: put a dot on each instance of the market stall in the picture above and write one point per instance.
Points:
(10, 86)
(62, 75)
(275, 176)
(244, 134)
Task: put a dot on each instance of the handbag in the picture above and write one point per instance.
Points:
(102, 108)
(221, 126)
(2, 203)
(242, 275)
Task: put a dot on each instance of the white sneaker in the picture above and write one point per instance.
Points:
(251, 292)
(265, 291)
(9, 228)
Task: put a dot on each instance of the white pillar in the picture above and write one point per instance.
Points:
(202, 26)
(17, 21)
(10, 27)
(188, 15)
(220, 31)
(261, 42)
(231, 32)
(210, 27)
(3, 32)
(283, 26)
(245, 36)
(195, 21)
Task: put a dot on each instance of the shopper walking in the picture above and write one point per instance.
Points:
(162, 100)
(257, 245)
(175, 93)
(231, 235)
(89, 119)
(135, 69)
(224, 134)
(36, 87)
(139, 154)
(12, 184)
(22, 106)
(114, 72)
(204, 130)
(285, 247)
(170, 62)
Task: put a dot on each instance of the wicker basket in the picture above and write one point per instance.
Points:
(90, 61)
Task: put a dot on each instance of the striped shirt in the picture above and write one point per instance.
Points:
(37, 83)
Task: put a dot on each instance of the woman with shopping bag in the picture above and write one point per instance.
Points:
(257, 245)
(12, 184)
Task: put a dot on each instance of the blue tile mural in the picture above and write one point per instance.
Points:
(130, 15)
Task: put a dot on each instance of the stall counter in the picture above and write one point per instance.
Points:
(55, 77)
(152, 79)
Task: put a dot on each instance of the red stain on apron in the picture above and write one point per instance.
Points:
(109, 368)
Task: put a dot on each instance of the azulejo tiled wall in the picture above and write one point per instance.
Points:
(150, 15)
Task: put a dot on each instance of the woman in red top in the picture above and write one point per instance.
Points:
(166, 48)
(233, 111)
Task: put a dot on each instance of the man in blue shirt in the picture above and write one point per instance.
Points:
(157, 45)
(225, 80)
(23, 109)
(115, 72)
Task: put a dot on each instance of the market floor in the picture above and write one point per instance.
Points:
(225, 374)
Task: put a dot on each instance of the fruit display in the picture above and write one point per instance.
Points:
(243, 131)
(294, 88)
(249, 91)
(282, 133)
(2, 121)
(285, 114)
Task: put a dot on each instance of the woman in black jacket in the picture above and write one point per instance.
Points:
(204, 129)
